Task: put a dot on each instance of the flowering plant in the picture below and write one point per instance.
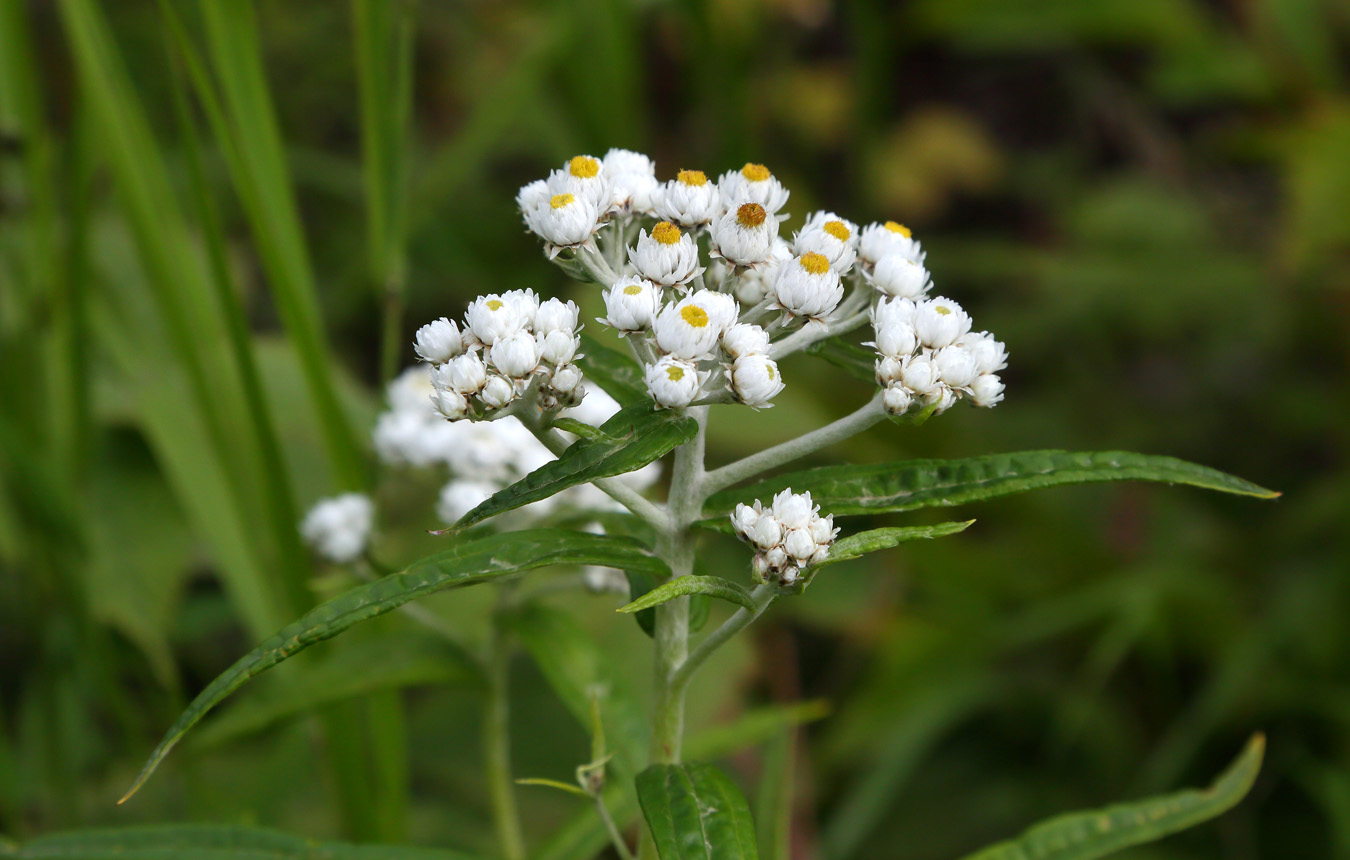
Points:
(557, 438)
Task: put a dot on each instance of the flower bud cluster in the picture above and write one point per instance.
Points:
(509, 341)
(928, 357)
(338, 528)
(789, 536)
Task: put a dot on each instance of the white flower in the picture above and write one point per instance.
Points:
(941, 398)
(667, 257)
(991, 355)
(753, 183)
(794, 510)
(515, 355)
(881, 240)
(584, 177)
(920, 375)
(532, 195)
(410, 390)
(745, 339)
(818, 219)
(451, 404)
(338, 528)
(744, 235)
(956, 365)
(688, 329)
(889, 369)
(939, 322)
(689, 199)
(743, 519)
(558, 347)
(438, 341)
(555, 315)
(498, 392)
(766, 532)
(631, 304)
(799, 545)
(460, 496)
(465, 373)
(808, 287)
(754, 284)
(755, 379)
(896, 340)
(722, 308)
(833, 239)
(673, 382)
(986, 390)
(896, 399)
(897, 275)
(492, 316)
(566, 378)
(632, 178)
(564, 220)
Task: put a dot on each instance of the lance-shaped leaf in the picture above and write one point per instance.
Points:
(695, 812)
(911, 484)
(469, 562)
(713, 586)
(636, 436)
(209, 842)
(1099, 832)
(616, 372)
(858, 545)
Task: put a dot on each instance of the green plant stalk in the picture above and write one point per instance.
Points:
(497, 741)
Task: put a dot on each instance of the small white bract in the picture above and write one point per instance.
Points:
(755, 379)
(673, 382)
(808, 287)
(897, 275)
(689, 200)
(555, 315)
(515, 355)
(689, 329)
(667, 256)
(338, 528)
(939, 322)
(631, 304)
(563, 220)
(745, 339)
(632, 177)
(438, 341)
(744, 236)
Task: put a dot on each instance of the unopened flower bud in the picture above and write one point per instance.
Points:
(438, 341)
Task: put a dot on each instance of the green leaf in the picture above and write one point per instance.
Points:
(636, 436)
(578, 428)
(1099, 832)
(470, 562)
(696, 812)
(713, 586)
(857, 361)
(858, 545)
(209, 842)
(640, 584)
(911, 484)
(614, 371)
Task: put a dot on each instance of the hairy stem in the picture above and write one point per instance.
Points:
(497, 745)
(801, 339)
(850, 425)
(763, 595)
(615, 836)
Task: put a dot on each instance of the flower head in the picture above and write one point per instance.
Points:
(808, 287)
(689, 329)
(338, 528)
(673, 382)
(689, 199)
(755, 379)
(744, 235)
(631, 304)
(753, 183)
(438, 341)
(667, 256)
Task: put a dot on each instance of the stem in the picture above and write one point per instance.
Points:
(497, 744)
(614, 835)
(617, 490)
(763, 595)
(855, 422)
(799, 340)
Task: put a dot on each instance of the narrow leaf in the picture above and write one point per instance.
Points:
(636, 436)
(713, 586)
(911, 484)
(1097, 833)
(553, 783)
(857, 361)
(209, 842)
(578, 428)
(695, 812)
(471, 562)
(858, 545)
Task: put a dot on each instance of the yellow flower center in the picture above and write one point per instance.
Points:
(755, 172)
(837, 229)
(583, 167)
(675, 373)
(816, 264)
(632, 290)
(696, 316)
(558, 201)
(942, 310)
(692, 177)
(494, 304)
(666, 233)
(750, 215)
(899, 228)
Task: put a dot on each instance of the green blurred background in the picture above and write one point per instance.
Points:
(1148, 200)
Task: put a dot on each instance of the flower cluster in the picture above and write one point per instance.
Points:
(789, 536)
(482, 456)
(338, 528)
(509, 342)
(710, 296)
(927, 355)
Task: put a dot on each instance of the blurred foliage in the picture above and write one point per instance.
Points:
(1147, 199)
